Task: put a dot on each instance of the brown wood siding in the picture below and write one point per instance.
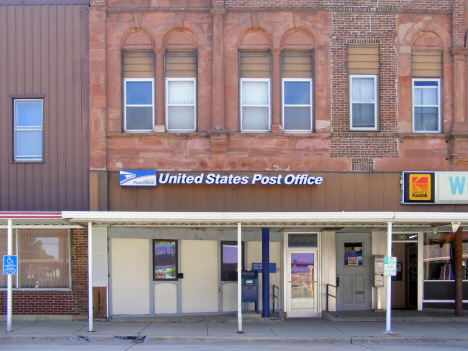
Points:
(340, 191)
(44, 51)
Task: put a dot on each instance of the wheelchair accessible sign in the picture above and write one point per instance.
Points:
(10, 264)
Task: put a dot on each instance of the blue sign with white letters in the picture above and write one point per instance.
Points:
(138, 178)
(259, 266)
(10, 264)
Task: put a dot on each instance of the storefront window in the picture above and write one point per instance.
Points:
(165, 260)
(438, 254)
(43, 258)
(229, 260)
(353, 254)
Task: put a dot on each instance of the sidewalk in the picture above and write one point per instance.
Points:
(218, 331)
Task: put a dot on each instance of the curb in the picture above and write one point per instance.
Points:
(224, 340)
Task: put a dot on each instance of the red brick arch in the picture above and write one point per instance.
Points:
(255, 38)
(180, 38)
(137, 39)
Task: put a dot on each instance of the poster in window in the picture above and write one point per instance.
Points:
(353, 254)
(165, 260)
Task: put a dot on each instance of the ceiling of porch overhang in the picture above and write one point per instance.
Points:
(318, 221)
(35, 220)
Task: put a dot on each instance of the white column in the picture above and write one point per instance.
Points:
(239, 277)
(389, 280)
(10, 278)
(90, 277)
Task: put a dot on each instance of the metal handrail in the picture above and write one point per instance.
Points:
(334, 296)
(276, 296)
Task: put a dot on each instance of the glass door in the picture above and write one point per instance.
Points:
(302, 269)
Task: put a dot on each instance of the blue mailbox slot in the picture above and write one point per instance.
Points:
(250, 287)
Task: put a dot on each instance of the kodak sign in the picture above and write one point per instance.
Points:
(418, 187)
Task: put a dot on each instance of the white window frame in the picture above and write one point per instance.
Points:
(194, 81)
(30, 158)
(242, 80)
(284, 80)
(129, 105)
(351, 102)
(438, 104)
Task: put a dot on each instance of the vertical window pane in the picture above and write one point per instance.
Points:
(181, 92)
(363, 115)
(255, 93)
(353, 254)
(29, 113)
(229, 260)
(43, 259)
(139, 118)
(297, 118)
(181, 117)
(363, 89)
(165, 260)
(28, 144)
(296, 93)
(425, 96)
(426, 118)
(139, 93)
(255, 118)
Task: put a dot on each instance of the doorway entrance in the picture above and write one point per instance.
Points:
(302, 275)
(405, 283)
(354, 271)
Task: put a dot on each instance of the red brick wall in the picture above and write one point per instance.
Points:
(373, 28)
(74, 302)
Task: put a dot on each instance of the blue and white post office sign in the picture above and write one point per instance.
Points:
(138, 178)
(10, 264)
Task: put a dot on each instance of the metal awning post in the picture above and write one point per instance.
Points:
(10, 278)
(389, 281)
(239, 277)
(90, 277)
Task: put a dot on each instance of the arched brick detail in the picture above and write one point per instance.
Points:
(298, 38)
(427, 41)
(255, 38)
(137, 39)
(180, 38)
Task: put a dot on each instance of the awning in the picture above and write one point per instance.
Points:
(35, 220)
(336, 221)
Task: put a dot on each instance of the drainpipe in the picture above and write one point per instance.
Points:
(239, 278)
(90, 277)
(10, 278)
(389, 281)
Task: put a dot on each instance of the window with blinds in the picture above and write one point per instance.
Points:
(363, 70)
(138, 74)
(296, 72)
(43, 258)
(181, 73)
(255, 72)
(426, 63)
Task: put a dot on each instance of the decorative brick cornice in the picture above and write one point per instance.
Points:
(218, 11)
(365, 135)
(459, 52)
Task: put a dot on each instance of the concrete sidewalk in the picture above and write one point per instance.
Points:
(206, 331)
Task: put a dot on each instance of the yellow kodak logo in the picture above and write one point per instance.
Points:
(420, 187)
